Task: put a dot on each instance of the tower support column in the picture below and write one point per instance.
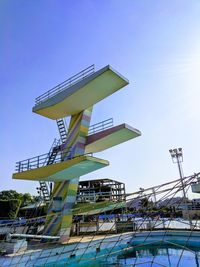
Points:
(59, 216)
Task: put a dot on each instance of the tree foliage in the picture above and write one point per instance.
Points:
(11, 201)
(25, 199)
(9, 208)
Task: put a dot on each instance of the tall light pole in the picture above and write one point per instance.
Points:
(177, 157)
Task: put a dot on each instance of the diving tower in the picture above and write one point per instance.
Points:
(72, 155)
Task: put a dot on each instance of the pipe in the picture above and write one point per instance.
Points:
(34, 236)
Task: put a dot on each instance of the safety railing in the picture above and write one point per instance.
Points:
(41, 160)
(67, 83)
(100, 126)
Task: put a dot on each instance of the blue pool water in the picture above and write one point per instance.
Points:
(154, 256)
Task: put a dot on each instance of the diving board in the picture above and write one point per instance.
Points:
(82, 95)
(96, 208)
(64, 170)
(110, 137)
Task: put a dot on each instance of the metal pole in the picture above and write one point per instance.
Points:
(177, 157)
(34, 236)
(184, 193)
(181, 176)
(154, 195)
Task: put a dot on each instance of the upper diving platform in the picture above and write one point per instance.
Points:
(79, 92)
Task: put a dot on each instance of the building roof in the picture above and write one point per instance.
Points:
(104, 180)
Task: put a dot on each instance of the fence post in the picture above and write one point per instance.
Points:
(38, 162)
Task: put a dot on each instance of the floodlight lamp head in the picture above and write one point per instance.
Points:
(180, 149)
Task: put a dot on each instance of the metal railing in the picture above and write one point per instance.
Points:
(100, 126)
(41, 160)
(67, 83)
(56, 144)
(97, 127)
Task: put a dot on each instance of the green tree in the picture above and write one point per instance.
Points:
(9, 208)
(25, 198)
(10, 194)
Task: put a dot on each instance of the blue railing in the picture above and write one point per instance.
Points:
(100, 126)
(41, 160)
(67, 83)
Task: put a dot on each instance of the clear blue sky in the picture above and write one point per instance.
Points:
(155, 44)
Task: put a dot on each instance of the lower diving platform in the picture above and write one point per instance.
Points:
(96, 208)
(196, 185)
(62, 171)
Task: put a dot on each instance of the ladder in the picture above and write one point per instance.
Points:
(55, 148)
(53, 154)
(45, 191)
(62, 130)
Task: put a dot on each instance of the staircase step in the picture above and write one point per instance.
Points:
(45, 191)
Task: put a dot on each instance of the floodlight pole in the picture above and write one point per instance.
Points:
(154, 196)
(177, 157)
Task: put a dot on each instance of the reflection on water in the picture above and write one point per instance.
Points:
(156, 256)
(153, 256)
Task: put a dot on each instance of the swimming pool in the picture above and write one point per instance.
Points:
(153, 248)
(157, 256)
(150, 256)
